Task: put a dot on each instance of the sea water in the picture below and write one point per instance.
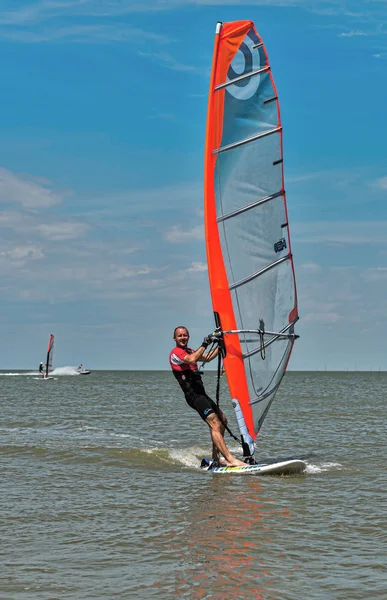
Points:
(102, 496)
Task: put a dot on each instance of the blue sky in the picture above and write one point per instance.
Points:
(103, 109)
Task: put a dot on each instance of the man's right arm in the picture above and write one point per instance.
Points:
(194, 357)
(198, 355)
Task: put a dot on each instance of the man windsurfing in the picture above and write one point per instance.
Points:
(183, 362)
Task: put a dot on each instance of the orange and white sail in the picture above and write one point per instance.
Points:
(249, 257)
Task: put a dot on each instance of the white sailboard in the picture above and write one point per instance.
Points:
(284, 467)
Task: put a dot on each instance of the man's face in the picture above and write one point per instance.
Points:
(181, 337)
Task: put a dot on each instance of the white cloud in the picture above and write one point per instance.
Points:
(104, 20)
(381, 183)
(354, 33)
(41, 11)
(85, 34)
(185, 197)
(45, 10)
(310, 267)
(322, 317)
(340, 232)
(22, 253)
(15, 220)
(24, 225)
(29, 192)
(106, 250)
(168, 61)
(305, 177)
(122, 272)
(178, 235)
(375, 274)
(98, 266)
(345, 296)
(63, 230)
(197, 267)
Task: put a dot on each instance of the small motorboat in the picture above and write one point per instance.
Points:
(82, 371)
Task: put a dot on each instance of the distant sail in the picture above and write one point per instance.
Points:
(249, 256)
(50, 355)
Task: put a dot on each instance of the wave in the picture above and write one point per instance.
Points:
(15, 374)
(58, 371)
(146, 459)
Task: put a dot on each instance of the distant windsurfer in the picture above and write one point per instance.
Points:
(183, 361)
(41, 369)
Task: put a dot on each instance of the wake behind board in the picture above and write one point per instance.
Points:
(285, 467)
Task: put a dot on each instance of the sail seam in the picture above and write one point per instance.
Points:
(264, 396)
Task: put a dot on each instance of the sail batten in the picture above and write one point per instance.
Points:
(273, 99)
(249, 257)
(241, 78)
(248, 140)
(249, 278)
(250, 206)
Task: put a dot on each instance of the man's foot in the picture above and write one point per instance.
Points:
(235, 463)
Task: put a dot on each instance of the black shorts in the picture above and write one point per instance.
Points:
(192, 385)
(202, 404)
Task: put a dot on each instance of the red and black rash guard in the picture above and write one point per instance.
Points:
(186, 374)
(176, 360)
(191, 383)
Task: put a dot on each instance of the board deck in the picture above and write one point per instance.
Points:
(285, 467)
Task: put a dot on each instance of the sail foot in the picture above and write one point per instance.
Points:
(247, 440)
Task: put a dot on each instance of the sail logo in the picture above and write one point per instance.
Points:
(280, 245)
(245, 60)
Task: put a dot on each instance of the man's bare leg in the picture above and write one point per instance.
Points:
(217, 432)
(215, 451)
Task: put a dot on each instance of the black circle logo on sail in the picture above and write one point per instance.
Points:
(245, 61)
